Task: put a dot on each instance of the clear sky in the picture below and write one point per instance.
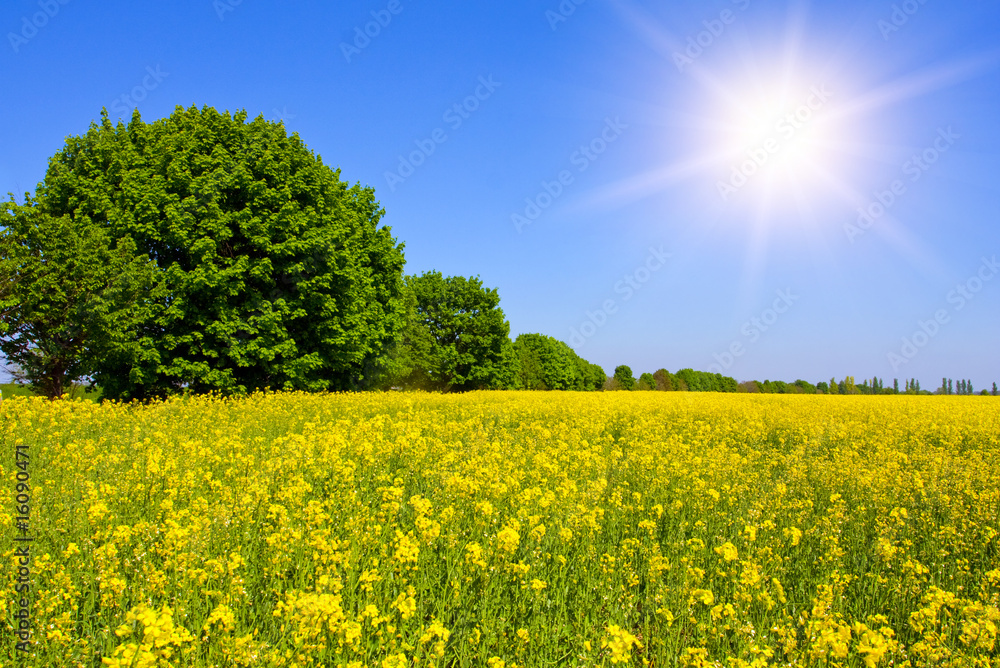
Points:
(767, 189)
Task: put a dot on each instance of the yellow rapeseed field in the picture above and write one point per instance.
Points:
(507, 529)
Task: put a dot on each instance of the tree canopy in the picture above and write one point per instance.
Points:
(544, 363)
(456, 336)
(623, 377)
(68, 297)
(276, 273)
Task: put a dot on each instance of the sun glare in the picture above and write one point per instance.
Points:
(772, 138)
(778, 133)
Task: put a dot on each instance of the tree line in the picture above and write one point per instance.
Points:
(688, 380)
(205, 252)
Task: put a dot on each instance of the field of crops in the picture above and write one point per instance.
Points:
(506, 529)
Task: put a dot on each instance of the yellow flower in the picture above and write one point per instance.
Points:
(405, 604)
(727, 551)
(407, 548)
(538, 532)
(395, 661)
(508, 540)
(619, 643)
(703, 595)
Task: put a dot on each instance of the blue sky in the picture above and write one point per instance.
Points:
(771, 190)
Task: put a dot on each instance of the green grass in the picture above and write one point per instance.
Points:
(10, 390)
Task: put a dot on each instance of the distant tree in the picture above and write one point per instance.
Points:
(545, 363)
(805, 386)
(968, 387)
(647, 382)
(895, 386)
(692, 381)
(664, 380)
(456, 335)
(69, 297)
(509, 377)
(623, 376)
(835, 387)
(823, 387)
(773, 387)
(950, 387)
(750, 386)
(593, 376)
(994, 389)
(703, 381)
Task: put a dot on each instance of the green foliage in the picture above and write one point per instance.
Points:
(70, 297)
(623, 378)
(545, 363)
(509, 377)
(647, 382)
(455, 337)
(702, 381)
(664, 380)
(277, 273)
(805, 387)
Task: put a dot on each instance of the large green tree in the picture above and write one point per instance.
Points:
(456, 338)
(623, 377)
(278, 274)
(545, 363)
(68, 297)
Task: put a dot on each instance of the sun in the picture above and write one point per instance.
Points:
(773, 138)
(776, 136)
